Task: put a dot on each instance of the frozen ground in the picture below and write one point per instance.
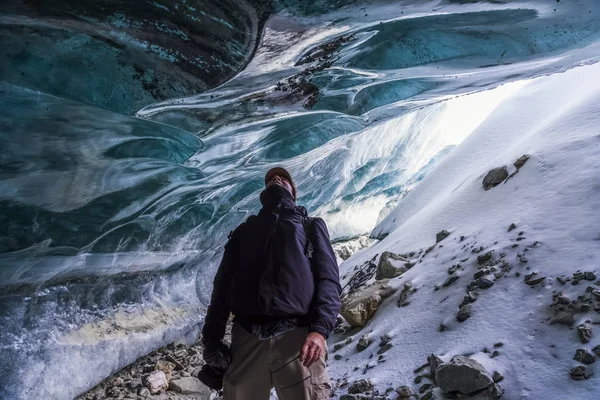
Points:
(554, 200)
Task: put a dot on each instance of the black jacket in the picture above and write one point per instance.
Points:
(265, 274)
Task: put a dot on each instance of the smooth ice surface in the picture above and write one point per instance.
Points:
(111, 219)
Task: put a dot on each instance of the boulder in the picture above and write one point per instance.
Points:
(585, 333)
(464, 313)
(361, 386)
(359, 308)
(156, 381)
(363, 343)
(441, 235)
(495, 177)
(584, 356)
(390, 266)
(404, 392)
(462, 375)
(189, 385)
(521, 161)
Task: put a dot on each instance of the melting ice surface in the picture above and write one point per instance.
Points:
(112, 226)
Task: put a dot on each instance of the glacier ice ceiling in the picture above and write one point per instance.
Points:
(135, 137)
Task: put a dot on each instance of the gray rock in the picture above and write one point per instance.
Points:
(144, 392)
(425, 387)
(464, 313)
(384, 348)
(532, 279)
(189, 385)
(596, 350)
(434, 363)
(390, 266)
(484, 258)
(451, 279)
(521, 161)
(348, 397)
(385, 339)
(589, 276)
(135, 383)
(156, 381)
(363, 342)
(404, 392)
(585, 333)
(579, 373)
(441, 235)
(359, 308)
(495, 177)
(463, 375)
(584, 356)
(512, 226)
(485, 283)
(361, 386)
(497, 377)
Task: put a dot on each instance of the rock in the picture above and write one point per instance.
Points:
(463, 375)
(135, 383)
(390, 266)
(165, 366)
(404, 392)
(427, 396)
(512, 226)
(404, 294)
(464, 313)
(144, 392)
(348, 397)
(441, 235)
(384, 348)
(451, 279)
(497, 377)
(363, 342)
(532, 279)
(521, 161)
(485, 257)
(584, 356)
(425, 387)
(485, 283)
(359, 308)
(585, 333)
(495, 177)
(589, 276)
(337, 357)
(189, 385)
(434, 362)
(156, 381)
(579, 373)
(361, 386)
(385, 339)
(596, 350)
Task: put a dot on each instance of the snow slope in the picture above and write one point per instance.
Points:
(554, 199)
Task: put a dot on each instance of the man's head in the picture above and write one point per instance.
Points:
(280, 176)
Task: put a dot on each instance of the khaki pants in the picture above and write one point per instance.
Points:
(259, 365)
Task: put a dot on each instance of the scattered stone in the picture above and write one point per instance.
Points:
(485, 283)
(404, 392)
(384, 348)
(144, 392)
(434, 362)
(361, 386)
(584, 356)
(497, 377)
(596, 350)
(189, 385)
(359, 307)
(451, 279)
(441, 235)
(585, 333)
(512, 226)
(532, 280)
(495, 177)
(363, 342)
(404, 294)
(579, 373)
(385, 339)
(348, 397)
(463, 375)
(454, 268)
(425, 387)
(427, 396)
(483, 258)
(337, 357)
(464, 313)
(499, 344)
(156, 381)
(589, 276)
(390, 266)
(521, 161)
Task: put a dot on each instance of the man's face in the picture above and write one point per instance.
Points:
(281, 181)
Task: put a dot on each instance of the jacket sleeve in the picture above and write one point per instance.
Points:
(218, 310)
(326, 304)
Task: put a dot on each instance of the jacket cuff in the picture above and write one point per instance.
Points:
(319, 329)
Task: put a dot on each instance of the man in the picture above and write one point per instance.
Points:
(279, 278)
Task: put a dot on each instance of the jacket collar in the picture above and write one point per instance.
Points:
(275, 199)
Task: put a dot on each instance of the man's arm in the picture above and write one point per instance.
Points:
(218, 310)
(326, 303)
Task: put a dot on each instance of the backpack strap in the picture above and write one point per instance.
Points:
(307, 223)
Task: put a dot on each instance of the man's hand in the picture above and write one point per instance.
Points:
(312, 349)
(217, 355)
